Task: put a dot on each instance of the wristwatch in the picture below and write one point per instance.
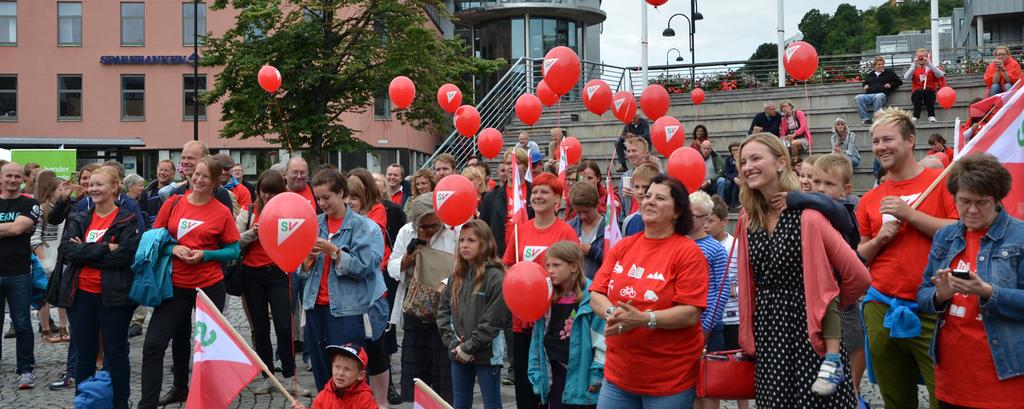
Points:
(609, 311)
(652, 321)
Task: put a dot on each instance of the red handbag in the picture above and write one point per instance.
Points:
(726, 374)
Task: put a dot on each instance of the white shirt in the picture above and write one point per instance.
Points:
(445, 240)
(732, 307)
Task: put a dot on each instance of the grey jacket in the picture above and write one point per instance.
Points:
(477, 319)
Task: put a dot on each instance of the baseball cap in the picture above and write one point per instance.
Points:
(535, 157)
(351, 350)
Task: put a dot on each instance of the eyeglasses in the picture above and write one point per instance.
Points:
(432, 226)
(979, 205)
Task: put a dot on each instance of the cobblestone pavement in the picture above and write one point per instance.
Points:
(50, 360)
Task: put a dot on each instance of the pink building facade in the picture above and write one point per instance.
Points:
(113, 79)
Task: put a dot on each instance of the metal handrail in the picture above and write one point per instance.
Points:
(497, 106)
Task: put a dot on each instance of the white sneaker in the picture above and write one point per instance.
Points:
(913, 119)
(262, 386)
(298, 390)
(26, 381)
(932, 119)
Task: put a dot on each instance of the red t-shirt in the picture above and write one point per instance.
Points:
(307, 193)
(198, 227)
(242, 196)
(533, 246)
(509, 201)
(379, 215)
(965, 374)
(639, 269)
(323, 297)
(397, 197)
(255, 255)
(896, 271)
(89, 277)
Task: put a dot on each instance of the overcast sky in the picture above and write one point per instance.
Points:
(731, 29)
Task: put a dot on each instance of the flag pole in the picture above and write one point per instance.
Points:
(245, 345)
(426, 389)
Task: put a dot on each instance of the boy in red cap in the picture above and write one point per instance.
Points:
(348, 388)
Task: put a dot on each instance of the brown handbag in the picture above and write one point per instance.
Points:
(726, 374)
(424, 294)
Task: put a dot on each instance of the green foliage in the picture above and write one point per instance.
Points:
(335, 56)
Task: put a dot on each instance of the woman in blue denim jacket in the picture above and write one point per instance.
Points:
(343, 286)
(974, 281)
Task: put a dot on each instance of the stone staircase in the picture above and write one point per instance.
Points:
(727, 116)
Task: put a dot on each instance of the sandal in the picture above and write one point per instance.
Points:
(54, 337)
(45, 334)
(64, 335)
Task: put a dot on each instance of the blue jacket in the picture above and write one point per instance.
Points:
(357, 281)
(152, 269)
(586, 356)
(1001, 264)
(591, 260)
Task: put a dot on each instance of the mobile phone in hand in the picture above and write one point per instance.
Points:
(962, 274)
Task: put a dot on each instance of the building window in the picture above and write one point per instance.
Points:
(381, 107)
(133, 97)
(191, 104)
(69, 23)
(133, 24)
(69, 97)
(8, 23)
(188, 31)
(8, 97)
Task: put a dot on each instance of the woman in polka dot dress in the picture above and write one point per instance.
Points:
(786, 281)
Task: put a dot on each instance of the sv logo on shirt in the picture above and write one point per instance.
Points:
(185, 226)
(95, 235)
(531, 253)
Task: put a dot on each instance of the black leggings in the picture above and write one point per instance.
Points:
(263, 286)
(525, 398)
(172, 319)
(925, 97)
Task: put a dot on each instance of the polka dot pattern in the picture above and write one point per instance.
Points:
(786, 362)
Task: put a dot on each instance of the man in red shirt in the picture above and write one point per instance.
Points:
(296, 174)
(396, 184)
(895, 240)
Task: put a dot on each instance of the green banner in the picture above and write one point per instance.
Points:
(60, 161)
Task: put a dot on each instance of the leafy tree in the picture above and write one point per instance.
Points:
(335, 56)
(814, 26)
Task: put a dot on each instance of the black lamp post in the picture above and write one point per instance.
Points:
(679, 55)
(669, 32)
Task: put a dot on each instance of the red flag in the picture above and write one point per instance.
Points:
(612, 234)
(426, 398)
(1003, 137)
(220, 366)
(518, 201)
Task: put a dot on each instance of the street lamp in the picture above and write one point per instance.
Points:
(669, 32)
(195, 70)
(679, 55)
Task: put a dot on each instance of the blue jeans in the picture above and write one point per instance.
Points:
(90, 319)
(727, 190)
(996, 90)
(323, 329)
(876, 101)
(716, 338)
(612, 397)
(463, 377)
(17, 291)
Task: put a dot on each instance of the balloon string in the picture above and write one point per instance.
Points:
(291, 319)
(807, 103)
(284, 124)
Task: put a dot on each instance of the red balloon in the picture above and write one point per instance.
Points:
(667, 135)
(269, 78)
(467, 120)
(654, 101)
(289, 229)
(573, 150)
(697, 96)
(455, 200)
(656, 3)
(402, 91)
(687, 165)
(527, 288)
(561, 69)
(801, 60)
(546, 95)
(489, 143)
(946, 97)
(528, 108)
(449, 97)
(624, 106)
(597, 96)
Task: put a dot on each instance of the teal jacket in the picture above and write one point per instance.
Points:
(586, 356)
(152, 268)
